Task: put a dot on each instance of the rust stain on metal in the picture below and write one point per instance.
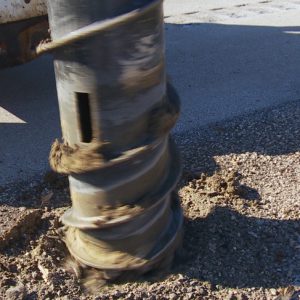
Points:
(31, 37)
(18, 40)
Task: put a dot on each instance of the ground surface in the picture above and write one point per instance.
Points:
(224, 57)
(240, 194)
(239, 136)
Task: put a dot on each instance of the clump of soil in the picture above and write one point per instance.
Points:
(17, 222)
(65, 159)
(224, 185)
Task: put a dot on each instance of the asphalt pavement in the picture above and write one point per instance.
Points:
(226, 58)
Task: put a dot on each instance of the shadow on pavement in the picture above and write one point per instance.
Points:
(232, 250)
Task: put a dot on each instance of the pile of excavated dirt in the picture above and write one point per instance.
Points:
(240, 194)
(16, 222)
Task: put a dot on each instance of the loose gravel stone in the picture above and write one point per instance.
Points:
(240, 194)
(16, 293)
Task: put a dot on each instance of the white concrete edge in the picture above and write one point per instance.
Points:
(17, 10)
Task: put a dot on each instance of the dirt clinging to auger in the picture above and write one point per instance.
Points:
(65, 159)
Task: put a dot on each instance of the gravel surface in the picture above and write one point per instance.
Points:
(240, 194)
